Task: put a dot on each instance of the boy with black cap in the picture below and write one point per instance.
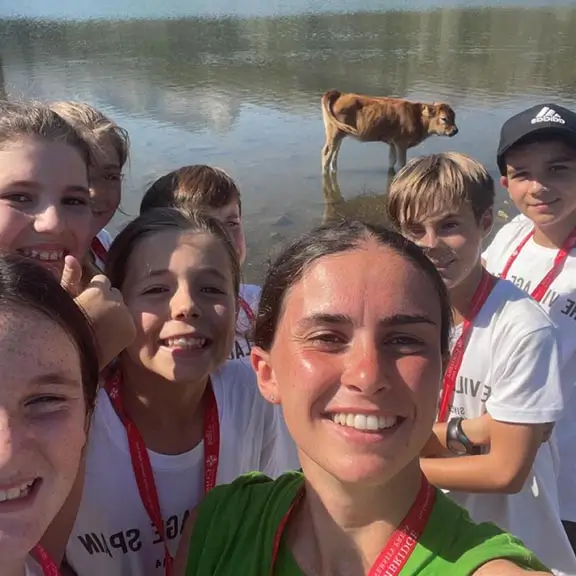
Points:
(537, 249)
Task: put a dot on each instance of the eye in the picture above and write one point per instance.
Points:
(414, 231)
(113, 177)
(153, 290)
(450, 225)
(75, 201)
(556, 168)
(46, 403)
(444, 120)
(233, 223)
(213, 290)
(404, 344)
(519, 175)
(17, 198)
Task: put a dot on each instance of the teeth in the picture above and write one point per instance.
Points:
(15, 493)
(46, 255)
(184, 342)
(364, 422)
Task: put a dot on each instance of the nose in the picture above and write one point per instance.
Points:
(50, 220)
(364, 371)
(454, 131)
(428, 240)
(183, 305)
(538, 187)
(6, 439)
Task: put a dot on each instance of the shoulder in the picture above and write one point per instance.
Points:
(507, 238)
(251, 293)
(515, 311)
(471, 545)
(105, 237)
(235, 378)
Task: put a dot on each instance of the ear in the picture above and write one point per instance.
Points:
(260, 361)
(504, 182)
(487, 222)
(426, 110)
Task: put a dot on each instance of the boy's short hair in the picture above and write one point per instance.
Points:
(85, 117)
(192, 187)
(437, 183)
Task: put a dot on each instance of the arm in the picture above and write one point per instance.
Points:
(525, 399)
(181, 558)
(504, 469)
(477, 430)
(505, 568)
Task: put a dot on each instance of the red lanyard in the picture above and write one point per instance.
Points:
(400, 545)
(247, 310)
(480, 296)
(141, 461)
(48, 565)
(98, 249)
(540, 291)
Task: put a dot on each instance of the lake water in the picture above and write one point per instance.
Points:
(238, 83)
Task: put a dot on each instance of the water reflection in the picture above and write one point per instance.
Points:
(244, 93)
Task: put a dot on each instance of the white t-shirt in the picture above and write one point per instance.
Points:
(511, 370)
(530, 267)
(250, 293)
(32, 568)
(106, 241)
(113, 535)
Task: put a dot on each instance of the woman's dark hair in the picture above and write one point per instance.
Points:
(160, 220)
(25, 284)
(333, 238)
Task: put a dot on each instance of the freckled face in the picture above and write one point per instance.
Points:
(42, 426)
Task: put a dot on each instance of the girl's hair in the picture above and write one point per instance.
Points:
(31, 119)
(334, 238)
(26, 285)
(196, 187)
(161, 220)
(85, 117)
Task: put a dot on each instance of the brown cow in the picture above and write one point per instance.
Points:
(400, 123)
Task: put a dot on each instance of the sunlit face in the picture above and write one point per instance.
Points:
(452, 240)
(180, 291)
(541, 180)
(105, 185)
(356, 364)
(231, 218)
(42, 426)
(44, 202)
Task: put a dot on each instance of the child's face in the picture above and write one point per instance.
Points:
(541, 180)
(180, 291)
(452, 240)
(105, 186)
(42, 426)
(229, 216)
(44, 202)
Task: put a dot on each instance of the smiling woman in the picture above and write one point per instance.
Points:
(47, 391)
(356, 366)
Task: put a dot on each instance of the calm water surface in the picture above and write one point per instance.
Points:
(240, 86)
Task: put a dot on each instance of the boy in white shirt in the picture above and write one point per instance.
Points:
(504, 362)
(537, 249)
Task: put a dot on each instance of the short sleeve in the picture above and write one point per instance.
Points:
(528, 389)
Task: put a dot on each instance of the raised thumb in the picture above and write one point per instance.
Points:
(71, 275)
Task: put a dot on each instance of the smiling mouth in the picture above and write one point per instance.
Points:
(19, 492)
(539, 204)
(366, 422)
(185, 343)
(43, 255)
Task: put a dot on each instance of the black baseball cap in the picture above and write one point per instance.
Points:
(539, 119)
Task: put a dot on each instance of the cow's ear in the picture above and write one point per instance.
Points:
(426, 110)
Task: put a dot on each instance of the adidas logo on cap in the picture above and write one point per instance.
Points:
(547, 115)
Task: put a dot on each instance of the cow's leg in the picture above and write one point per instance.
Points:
(337, 143)
(401, 151)
(392, 155)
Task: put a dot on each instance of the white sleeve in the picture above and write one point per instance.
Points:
(279, 453)
(527, 385)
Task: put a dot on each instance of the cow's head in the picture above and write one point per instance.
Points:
(440, 118)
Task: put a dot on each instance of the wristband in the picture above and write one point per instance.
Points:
(456, 441)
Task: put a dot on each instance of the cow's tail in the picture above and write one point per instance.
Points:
(328, 99)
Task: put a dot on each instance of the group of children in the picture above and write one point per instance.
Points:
(178, 410)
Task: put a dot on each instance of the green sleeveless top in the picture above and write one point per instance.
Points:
(236, 525)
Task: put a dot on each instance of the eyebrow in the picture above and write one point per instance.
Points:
(162, 271)
(54, 378)
(388, 322)
(30, 184)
